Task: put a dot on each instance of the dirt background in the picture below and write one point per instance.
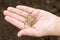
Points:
(8, 31)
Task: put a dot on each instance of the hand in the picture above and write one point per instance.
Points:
(45, 23)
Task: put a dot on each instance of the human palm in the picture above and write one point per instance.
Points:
(45, 21)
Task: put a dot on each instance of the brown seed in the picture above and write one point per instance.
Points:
(30, 20)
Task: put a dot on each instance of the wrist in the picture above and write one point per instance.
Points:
(56, 29)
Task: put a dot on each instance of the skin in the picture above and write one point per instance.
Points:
(45, 24)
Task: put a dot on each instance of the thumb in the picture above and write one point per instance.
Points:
(28, 31)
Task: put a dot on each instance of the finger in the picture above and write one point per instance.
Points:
(17, 11)
(35, 13)
(17, 17)
(25, 8)
(16, 23)
(28, 31)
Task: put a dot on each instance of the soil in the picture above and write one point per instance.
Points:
(8, 31)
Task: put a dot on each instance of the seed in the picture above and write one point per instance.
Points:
(30, 20)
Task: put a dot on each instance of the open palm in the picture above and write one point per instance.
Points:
(43, 26)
